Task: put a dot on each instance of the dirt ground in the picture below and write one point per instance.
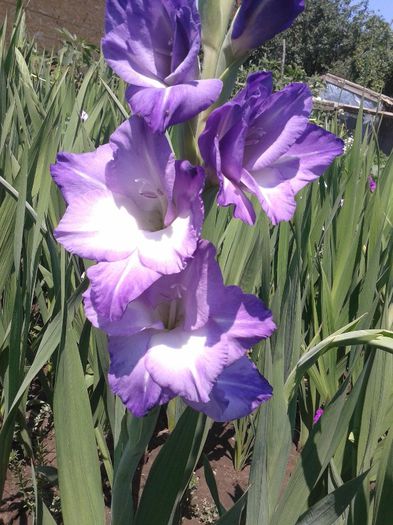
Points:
(45, 17)
(198, 506)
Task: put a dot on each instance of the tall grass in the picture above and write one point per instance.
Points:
(327, 276)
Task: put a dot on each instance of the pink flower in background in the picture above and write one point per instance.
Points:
(318, 414)
(372, 184)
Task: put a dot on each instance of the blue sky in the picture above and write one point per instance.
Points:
(385, 8)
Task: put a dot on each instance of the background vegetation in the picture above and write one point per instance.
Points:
(342, 37)
(327, 276)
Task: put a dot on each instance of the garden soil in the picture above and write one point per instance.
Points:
(44, 19)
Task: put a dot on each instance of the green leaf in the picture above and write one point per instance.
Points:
(115, 99)
(49, 343)
(77, 458)
(172, 470)
(270, 456)
(329, 508)
(319, 449)
(45, 517)
(211, 483)
(234, 514)
(135, 441)
(382, 339)
(384, 488)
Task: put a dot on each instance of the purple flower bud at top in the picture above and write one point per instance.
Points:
(260, 20)
(372, 184)
(133, 208)
(261, 143)
(153, 46)
(188, 335)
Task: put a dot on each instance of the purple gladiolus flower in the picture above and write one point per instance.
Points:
(261, 143)
(259, 20)
(131, 207)
(188, 335)
(153, 46)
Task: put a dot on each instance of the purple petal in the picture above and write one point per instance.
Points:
(273, 192)
(145, 222)
(187, 191)
(315, 150)
(157, 42)
(209, 326)
(259, 20)
(258, 85)
(187, 363)
(189, 289)
(231, 193)
(186, 44)
(132, 60)
(222, 142)
(198, 327)
(163, 107)
(276, 185)
(98, 225)
(166, 250)
(150, 181)
(115, 284)
(245, 142)
(138, 316)
(239, 390)
(281, 120)
(128, 376)
(115, 13)
(155, 50)
(78, 173)
(231, 144)
(241, 317)
(244, 317)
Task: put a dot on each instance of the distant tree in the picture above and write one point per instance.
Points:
(339, 36)
(372, 61)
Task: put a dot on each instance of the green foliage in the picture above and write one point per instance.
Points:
(327, 277)
(336, 36)
(330, 273)
(372, 62)
(172, 470)
(42, 334)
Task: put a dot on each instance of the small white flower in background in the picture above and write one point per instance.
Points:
(348, 143)
(84, 116)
